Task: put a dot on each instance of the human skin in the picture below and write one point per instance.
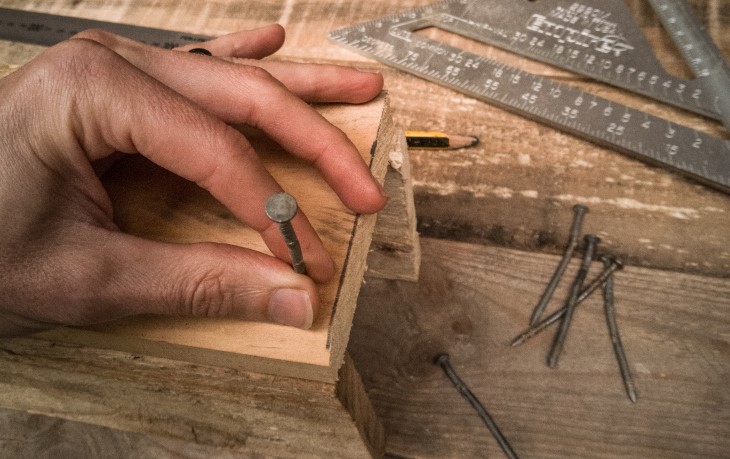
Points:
(86, 101)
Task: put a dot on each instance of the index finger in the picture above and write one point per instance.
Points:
(249, 95)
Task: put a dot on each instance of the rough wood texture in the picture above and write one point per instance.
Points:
(517, 188)
(152, 203)
(649, 216)
(395, 252)
(472, 300)
(144, 405)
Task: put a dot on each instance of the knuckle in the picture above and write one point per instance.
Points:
(205, 296)
(258, 74)
(331, 146)
(97, 35)
(78, 59)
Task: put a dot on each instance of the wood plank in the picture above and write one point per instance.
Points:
(155, 204)
(649, 216)
(471, 300)
(395, 252)
(123, 405)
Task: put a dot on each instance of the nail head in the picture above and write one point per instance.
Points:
(281, 207)
(609, 259)
(580, 209)
(591, 239)
(441, 359)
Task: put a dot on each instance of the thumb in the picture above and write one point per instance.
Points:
(205, 280)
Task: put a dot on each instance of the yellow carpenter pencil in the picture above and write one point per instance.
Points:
(435, 140)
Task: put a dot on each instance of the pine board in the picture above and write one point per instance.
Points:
(152, 203)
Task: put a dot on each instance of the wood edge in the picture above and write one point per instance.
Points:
(353, 273)
(106, 389)
(350, 390)
(395, 249)
(161, 349)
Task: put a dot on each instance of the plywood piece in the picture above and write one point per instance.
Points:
(395, 252)
(74, 401)
(152, 203)
(472, 300)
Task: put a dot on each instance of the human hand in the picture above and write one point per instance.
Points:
(62, 258)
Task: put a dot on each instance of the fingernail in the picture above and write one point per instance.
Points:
(288, 306)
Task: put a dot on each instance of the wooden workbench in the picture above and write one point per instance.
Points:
(495, 219)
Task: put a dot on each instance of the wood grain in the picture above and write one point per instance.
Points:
(471, 300)
(155, 204)
(649, 216)
(516, 190)
(395, 252)
(127, 405)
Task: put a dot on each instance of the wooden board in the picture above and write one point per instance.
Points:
(395, 252)
(470, 302)
(61, 400)
(516, 190)
(649, 216)
(152, 203)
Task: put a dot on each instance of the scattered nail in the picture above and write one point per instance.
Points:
(591, 242)
(615, 265)
(579, 211)
(281, 208)
(443, 361)
(618, 348)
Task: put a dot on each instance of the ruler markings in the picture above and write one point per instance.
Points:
(655, 140)
(390, 39)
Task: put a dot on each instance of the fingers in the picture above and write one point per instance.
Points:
(249, 95)
(115, 275)
(252, 44)
(211, 280)
(324, 83)
(149, 118)
(311, 82)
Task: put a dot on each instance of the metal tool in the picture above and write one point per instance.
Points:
(579, 211)
(443, 361)
(618, 347)
(281, 208)
(598, 39)
(49, 29)
(584, 294)
(559, 342)
(699, 51)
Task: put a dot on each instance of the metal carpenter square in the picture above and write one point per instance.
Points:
(655, 140)
(48, 29)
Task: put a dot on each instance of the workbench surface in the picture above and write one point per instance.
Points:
(494, 220)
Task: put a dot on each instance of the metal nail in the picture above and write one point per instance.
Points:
(616, 265)
(579, 211)
(281, 208)
(443, 361)
(591, 242)
(618, 348)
